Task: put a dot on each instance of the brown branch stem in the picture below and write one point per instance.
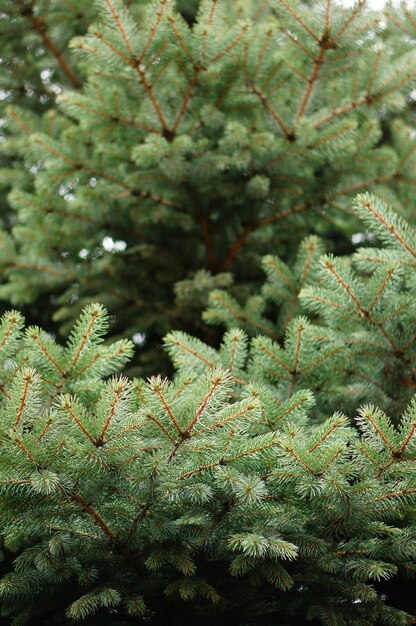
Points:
(39, 25)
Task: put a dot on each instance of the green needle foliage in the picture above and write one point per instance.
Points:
(180, 502)
(151, 154)
(359, 339)
(166, 157)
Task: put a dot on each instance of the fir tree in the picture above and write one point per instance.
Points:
(359, 338)
(152, 154)
(178, 153)
(174, 502)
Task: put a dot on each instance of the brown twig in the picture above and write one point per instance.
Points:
(275, 115)
(311, 82)
(209, 247)
(39, 25)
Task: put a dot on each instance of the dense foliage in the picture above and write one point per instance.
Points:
(193, 167)
(153, 159)
(217, 496)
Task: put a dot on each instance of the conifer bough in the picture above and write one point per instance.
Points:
(202, 499)
(176, 154)
(149, 160)
(230, 494)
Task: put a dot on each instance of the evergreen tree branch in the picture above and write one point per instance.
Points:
(365, 452)
(35, 336)
(407, 155)
(99, 174)
(94, 316)
(363, 311)
(290, 450)
(217, 380)
(347, 288)
(182, 387)
(312, 364)
(186, 348)
(345, 108)
(251, 451)
(374, 71)
(159, 15)
(137, 426)
(54, 453)
(399, 24)
(400, 493)
(12, 320)
(383, 220)
(292, 407)
(11, 376)
(236, 247)
(381, 289)
(366, 98)
(407, 440)
(117, 394)
(261, 345)
(241, 239)
(185, 102)
(206, 31)
(98, 519)
(4, 390)
(141, 72)
(288, 134)
(28, 379)
(298, 43)
(173, 25)
(244, 318)
(311, 80)
(326, 434)
(38, 23)
(234, 416)
(41, 269)
(19, 121)
(299, 332)
(355, 13)
(162, 428)
(209, 246)
(70, 409)
(264, 48)
(307, 265)
(157, 389)
(409, 17)
(114, 120)
(368, 415)
(332, 460)
(299, 20)
(365, 184)
(393, 86)
(327, 18)
(266, 82)
(44, 430)
(231, 45)
(201, 468)
(120, 26)
(23, 447)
